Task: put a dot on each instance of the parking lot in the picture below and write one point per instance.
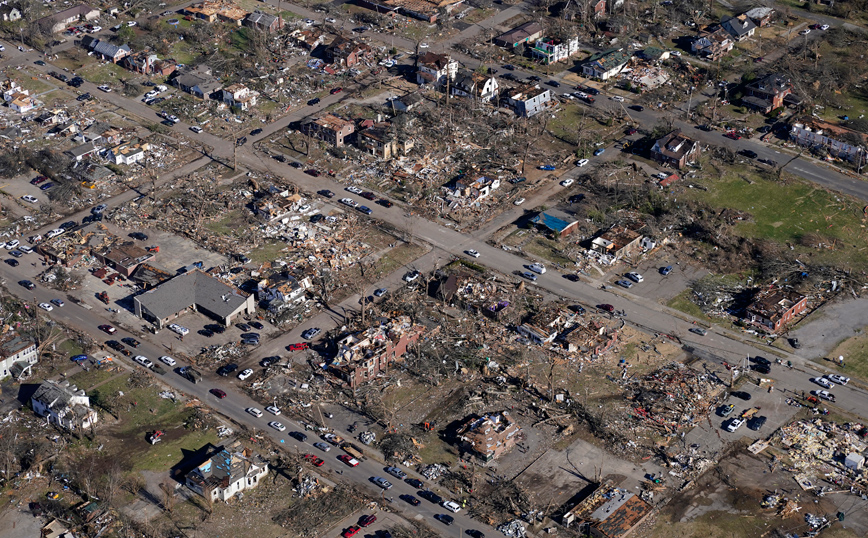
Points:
(656, 285)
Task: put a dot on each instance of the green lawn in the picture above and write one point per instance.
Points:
(165, 454)
(181, 52)
(224, 226)
(71, 347)
(267, 252)
(139, 408)
(683, 303)
(399, 257)
(85, 380)
(548, 249)
(104, 74)
(855, 352)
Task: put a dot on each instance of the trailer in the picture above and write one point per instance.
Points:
(192, 374)
(353, 451)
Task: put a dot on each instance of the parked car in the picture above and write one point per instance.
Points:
(567, 182)
(310, 333)
(726, 410)
(144, 361)
(327, 193)
(698, 330)
(635, 277)
(599, 152)
(823, 382)
(247, 372)
(382, 482)
(273, 410)
(27, 284)
(839, 379)
(397, 473)
(227, 369)
(444, 518)
(380, 292)
(167, 360)
(582, 162)
(537, 268)
(410, 499)
(313, 101)
(277, 425)
(734, 424)
(132, 342)
(530, 276)
(666, 270)
(624, 284)
(547, 167)
(349, 460)
(367, 520)
(756, 423)
(57, 302)
(471, 252)
(411, 276)
(606, 307)
(430, 496)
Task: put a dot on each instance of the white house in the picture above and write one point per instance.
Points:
(17, 355)
(227, 472)
(607, 64)
(64, 405)
(473, 84)
(550, 50)
(435, 69)
(239, 95)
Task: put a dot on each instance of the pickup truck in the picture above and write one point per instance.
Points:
(190, 373)
(353, 451)
(333, 439)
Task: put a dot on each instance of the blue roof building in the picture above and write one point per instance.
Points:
(554, 224)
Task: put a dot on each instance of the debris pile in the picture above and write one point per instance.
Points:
(433, 471)
(513, 528)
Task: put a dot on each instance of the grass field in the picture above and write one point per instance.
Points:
(267, 252)
(224, 226)
(683, 303)
(398, 257)
(165, 454)
(855, 352)
(548, 249)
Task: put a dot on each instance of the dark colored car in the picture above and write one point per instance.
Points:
(46, 186)
(631, 131)
(762, 360)
(27, 284)
(364, 209)
(279, 158)
(534, 78)
(367, 520)
(68, 225)
(336, 90)
(255, 132)
(217, 392)
(115, 345)
(243, 326)
(327, 193)
(295, 164)
(216, 329)
(554, 83)
(666, 270)
(748, 153)
(298, 436)
(410, 499)
(742, 395)
(576, 198)
(206, 333)
(415, 482)
(268, 361)
(256, 325)
(13, 262)
(139, 235)
(132, 342)
(227, 369)
(83, 97)
(38, 179)
(637, 108)
(313, 101)
(517, 180)
(250, 335)
(445, 519)
(39, 62)
(429, 495)
(756, 423)
(385, 203)
(367, 195)
(241, 141)
(312, 172)
(606, 307)
(761, 368)
(473, 533)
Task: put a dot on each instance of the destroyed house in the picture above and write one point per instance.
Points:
(609, 512)
(675, 149)
(712, 43)
(528, 100)
(63, 405)
(281, 291)
(239, 95)
(768, 93)
(227, 472)
(824, 137)
(435, 69)
(212, 11)
(424, 10)
(774, 308)
(124, 258)
(475, 85)
(605, 65)
(148, 63)
(128, 153)
(536, 334)
(469, 190)
(17, 355)
(381, 141)
(526, 33)
(348, 52)
(361, 357)
(263, 22)
(618, 242)
(194, 291)
(546, 221)
(488, 437)
(466, 291)
(307, 39)
(148, 276)
(591, 338)
(761, 16)
(329, 128)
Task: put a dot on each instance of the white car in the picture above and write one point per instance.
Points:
(582, 162)
(183, 331)
(472, 252)
(567, 182)
(519, 201)
(635, 277)
(423, 45)
(825, 395)
(618, 98)
(104, 87)
(452, 506)
(277, 425)
(25, 249)
(31, 199)
(330, 20)
(245, 374)
(12, 244)
(824, 27)
(96, 29)
(273, 409)
(46, 306)
(675, 53)
(144, 361)
(354, 190)
(806, 31)
(54, 233)
(823, 382)
(411, 276)
(254, 411)
(839, 379)
(131, 23)
(196, 129)
(734, 424)
(2, 48)
(167, 360)
(349, 201)
(537, 268)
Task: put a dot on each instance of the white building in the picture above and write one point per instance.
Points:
(17, 355)
(128, 153)
(550, 50)
(227, 472)
(64, 405)
(435, 69)
(239, 95)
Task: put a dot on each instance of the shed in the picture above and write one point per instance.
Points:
(854, 461)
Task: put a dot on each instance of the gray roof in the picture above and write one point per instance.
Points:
(107, 49)
(15, 345)
(83, 149)
(261, 19)
(54, 395)
(193, 288)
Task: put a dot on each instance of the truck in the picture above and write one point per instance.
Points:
(190, 373)
(336, 440)
(353, 451)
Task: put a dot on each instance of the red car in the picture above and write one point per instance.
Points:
(312, 172)
(336, 90)
(219, 393)
(301, 346)
(349, 460)
(316, 462)
(108, 328)
(38, 179)
(368, 520)
(733, 135)
(631, 131)
(352, 531)
(606, 307)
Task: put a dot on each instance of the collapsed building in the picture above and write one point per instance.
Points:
(609, 512)
(362, 356)
(774, 308)
(227, 472)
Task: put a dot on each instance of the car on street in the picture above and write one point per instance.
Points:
(385, 203)
(473, 533)
(410, 499)
(349, 460)
(823, 382)
(247, 372)
(309, 334)
(825, 395)
(554, 83)
(132, 342)
(380, 292)
(599, 152)
(806, 31)
(277, 425)
(30, 199)
(104, 87)
(635, 277)
(322, 446)
(57, 302)
(519, 201)
(839, 379)
(446, 519)
(537, 268)
(624, 284)
(327, 193)
(382, 482)
(144, 361)
(748, 153)
(742, 395)
(530, 276)
(196, 129)
(350, 531)
(637, 108)
(274, 410)
(397, 473)
(415, 482)
(430, 496)
(733, 135)
(217, 392)
(606, 307)
(471, 252)
(298, 436)
(452, 506)
(336, 90)
(39, 63)
(313, 101)
(354, 190)
(315, 461)
(367, 520)
(364, 209)
(411, 276)
(299, 346)
(631, 131)
(698, 330)
(12, 262)
(734, 424)
(618, 98)
(768, 162)
(567, 182)
(582, 162)
(139, 236)
(824, 27)
(666, 270)
(761, 368)
(227, 369)
(107, 329)
(46, 306)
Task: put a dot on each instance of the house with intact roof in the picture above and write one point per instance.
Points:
(740, 27)
(474, 85)
(194, 291)
(488, 437)
(109, 51)
(768, 93)
(62, 19)
(329, 128)
(197, 82)
(263, 22)
(525, 33)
